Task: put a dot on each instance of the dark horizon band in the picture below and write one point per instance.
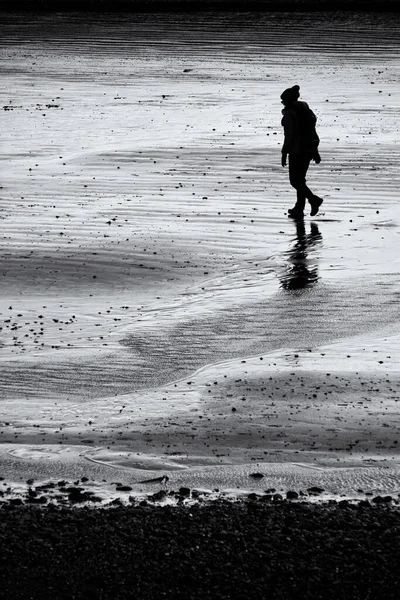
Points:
(201, 5)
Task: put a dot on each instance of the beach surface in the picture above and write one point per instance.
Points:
(160, 314)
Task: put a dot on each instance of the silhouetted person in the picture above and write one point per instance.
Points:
(301, 271)
(301, 145)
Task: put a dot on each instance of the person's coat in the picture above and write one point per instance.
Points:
(299, 123)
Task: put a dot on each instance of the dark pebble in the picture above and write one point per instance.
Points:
(252, 496)
(158, 495)
(256, 475)
(315, 490)
(277, 497)
(382, 499)
(291, 495)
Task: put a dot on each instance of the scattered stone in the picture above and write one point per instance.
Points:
(116, 502)
(292, 495)
(15, 501)
(277, 497)
(37, 500)
(382, 499)
(46, 486)
(79, 495)
(315, 490)
(252, 496)
(377, 499)
(158, 496)
(123, 488)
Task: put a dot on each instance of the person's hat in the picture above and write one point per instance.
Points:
(290, 94)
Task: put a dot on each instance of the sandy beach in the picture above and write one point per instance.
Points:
(161, 315)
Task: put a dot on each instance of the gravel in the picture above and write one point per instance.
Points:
(250, 549)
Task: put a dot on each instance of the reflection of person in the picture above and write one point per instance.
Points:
(301, 145)
(301, 272)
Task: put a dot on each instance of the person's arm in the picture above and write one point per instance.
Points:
(316, 156)
(289, 128)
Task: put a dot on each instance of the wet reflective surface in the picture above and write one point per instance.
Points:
(302, 269)
(145, 236)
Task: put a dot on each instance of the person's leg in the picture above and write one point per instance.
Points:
(314, 200)
(298, 166)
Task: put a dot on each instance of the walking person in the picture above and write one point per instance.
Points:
(301, 146)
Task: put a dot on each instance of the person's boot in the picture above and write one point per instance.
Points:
(296, 213)
(315, 202)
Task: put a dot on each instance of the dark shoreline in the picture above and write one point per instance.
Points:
(250, 549)
(190, 6)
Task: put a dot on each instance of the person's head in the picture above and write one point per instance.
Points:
(290, 95)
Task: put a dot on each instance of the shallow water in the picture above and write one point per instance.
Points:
(144, 233)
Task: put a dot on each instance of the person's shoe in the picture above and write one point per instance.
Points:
(294, 213)
(315, 204)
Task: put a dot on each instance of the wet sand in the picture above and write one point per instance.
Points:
(161, 315)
